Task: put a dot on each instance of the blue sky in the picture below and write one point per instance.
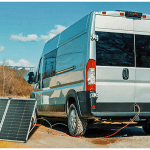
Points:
(26, 26)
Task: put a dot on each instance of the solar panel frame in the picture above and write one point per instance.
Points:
(11, 123)
(4, 102)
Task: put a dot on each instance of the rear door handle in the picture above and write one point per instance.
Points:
(125, 73)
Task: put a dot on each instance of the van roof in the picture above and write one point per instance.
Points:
(122, 13)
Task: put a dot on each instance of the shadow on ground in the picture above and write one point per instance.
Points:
(93, 132)
(33, 131)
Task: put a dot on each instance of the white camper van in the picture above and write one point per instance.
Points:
(97, 68)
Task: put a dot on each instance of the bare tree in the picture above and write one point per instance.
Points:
(4, 64)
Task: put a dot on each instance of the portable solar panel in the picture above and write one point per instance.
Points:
(17, 119)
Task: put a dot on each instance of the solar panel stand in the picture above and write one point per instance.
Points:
(33, 117)
(31, 121)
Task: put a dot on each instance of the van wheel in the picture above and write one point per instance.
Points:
(76, 125)
(146, 127)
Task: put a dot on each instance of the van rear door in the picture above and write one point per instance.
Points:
(142, 79)
(115, 68)
(115, 72)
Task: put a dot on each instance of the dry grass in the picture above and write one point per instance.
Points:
(12, 83)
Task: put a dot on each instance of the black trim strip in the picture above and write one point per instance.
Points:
(120, 114)
(115, 107)
(65, 70)
(84, 32)
(121, 107)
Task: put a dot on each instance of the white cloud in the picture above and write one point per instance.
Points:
(22, 62)
(34, 37)
(1, 48)
(20, 37)
(52, 33)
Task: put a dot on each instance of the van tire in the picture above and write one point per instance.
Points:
(146, 127)
(76, 125)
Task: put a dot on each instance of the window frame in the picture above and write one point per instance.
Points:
(40, 65)
(148, 36)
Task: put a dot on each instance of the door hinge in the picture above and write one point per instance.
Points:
(94, 37)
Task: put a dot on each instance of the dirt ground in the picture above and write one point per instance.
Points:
(58, 137)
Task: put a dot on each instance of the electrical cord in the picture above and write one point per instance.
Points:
(134, 118)
(46, 121)
(50, 123)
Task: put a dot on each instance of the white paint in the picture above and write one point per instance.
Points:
(45, 99)
(111, 87)
(116, 23)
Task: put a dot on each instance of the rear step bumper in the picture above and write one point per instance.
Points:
(121, 114)
(121, 110)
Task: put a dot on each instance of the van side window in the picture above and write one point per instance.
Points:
(142, 44)
(115, 49)
(49, 64)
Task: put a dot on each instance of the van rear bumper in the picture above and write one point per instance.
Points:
(110, 109)
(121, 110)
(120, 114)
(122, 106)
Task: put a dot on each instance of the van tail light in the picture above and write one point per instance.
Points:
(144, 16)
(90, 75)
(135, 14)
(121, 14)
(104, 12)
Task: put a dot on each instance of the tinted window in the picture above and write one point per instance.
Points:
(142, 44)
(49, 64)
(115, 49)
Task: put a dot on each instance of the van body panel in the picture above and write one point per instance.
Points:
(71, 46)
(142, 85)
(50, 99)
(73, 31)
(38, 97)
(142, 93)
(113, 23)
(67, 78)
(51, 45)
(91, 51)
(46, 83)
(71, 54)
(111, 87)
(142, 79)
(141, 25)
(114, 59)
(64, 79)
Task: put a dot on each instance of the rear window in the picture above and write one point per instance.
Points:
(142, 44)
(115, 49)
